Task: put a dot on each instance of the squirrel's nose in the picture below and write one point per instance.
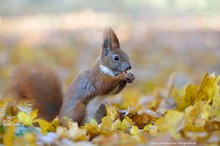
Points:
(129, 67)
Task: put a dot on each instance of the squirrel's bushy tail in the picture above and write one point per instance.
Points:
(39, 85)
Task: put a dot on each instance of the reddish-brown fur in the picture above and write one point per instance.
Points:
(40, 86)
(78, 112)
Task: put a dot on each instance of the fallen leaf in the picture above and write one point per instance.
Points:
(8, 136)
(24, 118)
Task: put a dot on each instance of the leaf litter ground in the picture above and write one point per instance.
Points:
(190, 116)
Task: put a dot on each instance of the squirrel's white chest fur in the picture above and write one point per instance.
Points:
(96, 102)
(93, 107)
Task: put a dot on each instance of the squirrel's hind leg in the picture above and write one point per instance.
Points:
(101, 112)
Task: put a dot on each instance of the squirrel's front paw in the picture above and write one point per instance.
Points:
(130, 77)
(122, 76)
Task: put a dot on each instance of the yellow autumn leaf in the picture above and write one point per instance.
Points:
(208, 88)
(62, 132)
(53, 125)
(3, 110)
(92, 130)
(151, 129)
(147, 128)
(30, 138)
(47, 126)
(190, 95)
(205, 92)
(215, 108)
(134, 130)
(34, 113)
(24, 118)
(172, 122)
(197, 116)
(106, 123)
(122, 125)
(73, 132)
(76, 133)
(43, 124)
(112, 112)
(137, 133)
(8, 136)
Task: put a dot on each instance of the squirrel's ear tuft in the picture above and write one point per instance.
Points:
(110, 39)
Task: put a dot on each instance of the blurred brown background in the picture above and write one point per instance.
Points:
(162, 37)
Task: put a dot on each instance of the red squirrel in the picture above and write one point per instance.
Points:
(86, 95)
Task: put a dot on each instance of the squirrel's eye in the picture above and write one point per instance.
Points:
(116, 57)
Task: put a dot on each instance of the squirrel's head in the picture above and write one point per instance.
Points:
(114, 61)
